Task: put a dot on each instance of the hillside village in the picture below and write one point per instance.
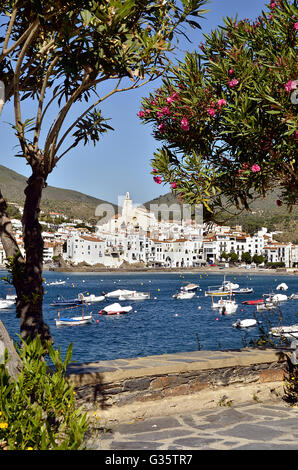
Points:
(137, 238)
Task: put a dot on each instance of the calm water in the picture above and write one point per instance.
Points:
(159, 325)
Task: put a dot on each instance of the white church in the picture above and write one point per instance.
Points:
(132, 217)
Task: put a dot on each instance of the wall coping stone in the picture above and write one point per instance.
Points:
(113, 371)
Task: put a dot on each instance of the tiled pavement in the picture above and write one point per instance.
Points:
(251, 426)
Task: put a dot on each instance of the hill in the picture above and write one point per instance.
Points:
(264, 213)
(69, 202)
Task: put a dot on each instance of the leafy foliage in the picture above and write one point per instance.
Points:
(227, 115)
(38, 410)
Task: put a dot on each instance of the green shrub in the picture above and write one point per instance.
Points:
(38, 409)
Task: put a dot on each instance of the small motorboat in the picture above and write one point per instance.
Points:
(6, 303)
(10, 297)
(184, 295)
(285, 331)
(282, 286)
(135, 296)
(227, 307)
(118, 293)
(246, 323)
(115, 309)
(253, 302)
(277, 298)
(293, 297)
(266, 306)
(61, 302)
(91, 298)
(190, 288)
(242, 290)
(56, 283)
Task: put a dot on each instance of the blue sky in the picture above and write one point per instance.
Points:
(121, 161)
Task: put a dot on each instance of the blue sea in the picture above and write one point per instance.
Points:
(161, 324)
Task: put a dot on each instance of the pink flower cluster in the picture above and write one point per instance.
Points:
(157, 179)
(212, 110)
(234, 82)
(291, 85)
(255, 168)
(184, 124)
(295, 25)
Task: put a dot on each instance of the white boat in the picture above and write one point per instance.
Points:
(228, 287)
(135, 296)
(282, 286)
(11, 297)
(285, 331)
(91, 298)
(56, 283)
(246, 323)
(294, 296)
(277, 298)
(115, 309)
(71, 321)
(190, 287)
(184, 295)
(118, 293)
(227, 307)
(4, 303)
(266, 306)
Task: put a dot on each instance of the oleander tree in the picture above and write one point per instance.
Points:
(226, 115)
(66, 58)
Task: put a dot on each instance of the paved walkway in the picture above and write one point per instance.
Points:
(257, 426)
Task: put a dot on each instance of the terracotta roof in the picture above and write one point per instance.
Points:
(91, 239)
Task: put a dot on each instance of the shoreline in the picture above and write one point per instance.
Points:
(204, 270)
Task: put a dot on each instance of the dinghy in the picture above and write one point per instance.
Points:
(246, 323)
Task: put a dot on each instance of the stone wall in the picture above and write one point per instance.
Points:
(124, 382)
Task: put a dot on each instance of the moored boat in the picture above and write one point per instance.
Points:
(71, 321)
(253, 302)
(5, 303)
(61, 302)
(115, 309)
(246, 323)
(184, 295)
(285, 331)
(135, 296)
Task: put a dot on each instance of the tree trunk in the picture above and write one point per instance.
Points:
(32, 292)
(13, 254)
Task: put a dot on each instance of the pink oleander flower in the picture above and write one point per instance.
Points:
(169, 99)
(153, 103)
(295, 25)
(184, 124)
(231, 71)
(148, 111)
(291, 85)
(159, 114)
(279, 202)
(157, 179)
(221, 103)
(296, 134)
(255, 168)
(233, 82)
(211, 112)
(174, 185)
(273, 5)
(141, 114)
(154, 170)
(165, 110)
(161, 127)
